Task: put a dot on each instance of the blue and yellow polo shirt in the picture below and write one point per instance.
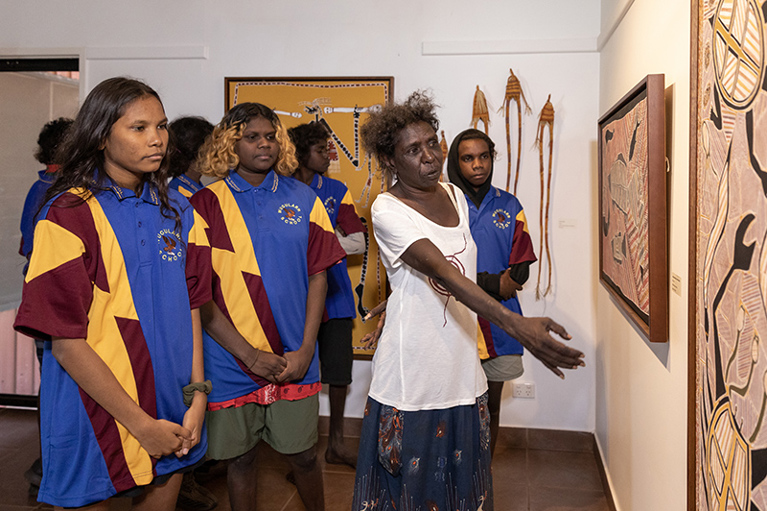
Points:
(339, 204)
(110, 268)
(499, 229)
(265, 242)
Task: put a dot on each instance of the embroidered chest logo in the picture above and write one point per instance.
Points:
(330, 205)
(501, 219)
(290, 214)
(171, 248)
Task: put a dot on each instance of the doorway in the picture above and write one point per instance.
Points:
(33, 91)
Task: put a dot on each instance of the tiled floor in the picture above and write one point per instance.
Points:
(535, 470)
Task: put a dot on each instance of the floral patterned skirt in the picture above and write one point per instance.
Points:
(429, 460)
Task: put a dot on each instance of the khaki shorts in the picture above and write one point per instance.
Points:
(289, 427)
(503, 368)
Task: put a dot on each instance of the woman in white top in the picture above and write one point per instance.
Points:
(425, 440)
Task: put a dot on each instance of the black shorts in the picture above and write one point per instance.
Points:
(335, 349)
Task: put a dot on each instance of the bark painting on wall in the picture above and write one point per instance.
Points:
(728, 234)
(633, 246)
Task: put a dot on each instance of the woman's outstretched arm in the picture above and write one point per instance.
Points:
(532, 333)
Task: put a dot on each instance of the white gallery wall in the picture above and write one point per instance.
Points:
(185, 49)
(641, 388)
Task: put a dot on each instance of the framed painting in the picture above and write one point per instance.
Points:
(727, 431)
(341, 105)
(633, 240)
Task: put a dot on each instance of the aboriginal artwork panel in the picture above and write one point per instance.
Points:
(729, 215)
(624, 219)
(341, 105)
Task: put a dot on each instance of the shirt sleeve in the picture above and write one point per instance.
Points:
(353, 243)
(521, 244)
(199, 264)
(347, 218)
(520, 272)
(490, 284)
(63, 270)
(324, 250)
(394, 229)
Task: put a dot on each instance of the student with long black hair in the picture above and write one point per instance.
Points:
(119, 270)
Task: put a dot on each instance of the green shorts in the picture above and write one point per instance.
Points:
(289, 427)
(503, 368)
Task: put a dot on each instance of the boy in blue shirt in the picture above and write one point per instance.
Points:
(504, 255)
(335, 334)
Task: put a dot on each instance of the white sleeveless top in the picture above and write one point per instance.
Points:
(427, 355)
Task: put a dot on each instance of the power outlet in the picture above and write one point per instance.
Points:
(525, 390)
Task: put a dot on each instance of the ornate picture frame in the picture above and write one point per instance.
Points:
(342, 104)
(633, 226)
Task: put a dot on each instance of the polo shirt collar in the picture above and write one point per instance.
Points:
(47, 177)
(188, 182)
(492, 194)
(148, 192)
(238, 184)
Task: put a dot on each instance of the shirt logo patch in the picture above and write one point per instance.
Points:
(330, 205)
(170, 245)
(501, 219)
(290, 214)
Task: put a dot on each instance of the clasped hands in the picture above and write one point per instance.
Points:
(279, 369)
(160, 437)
